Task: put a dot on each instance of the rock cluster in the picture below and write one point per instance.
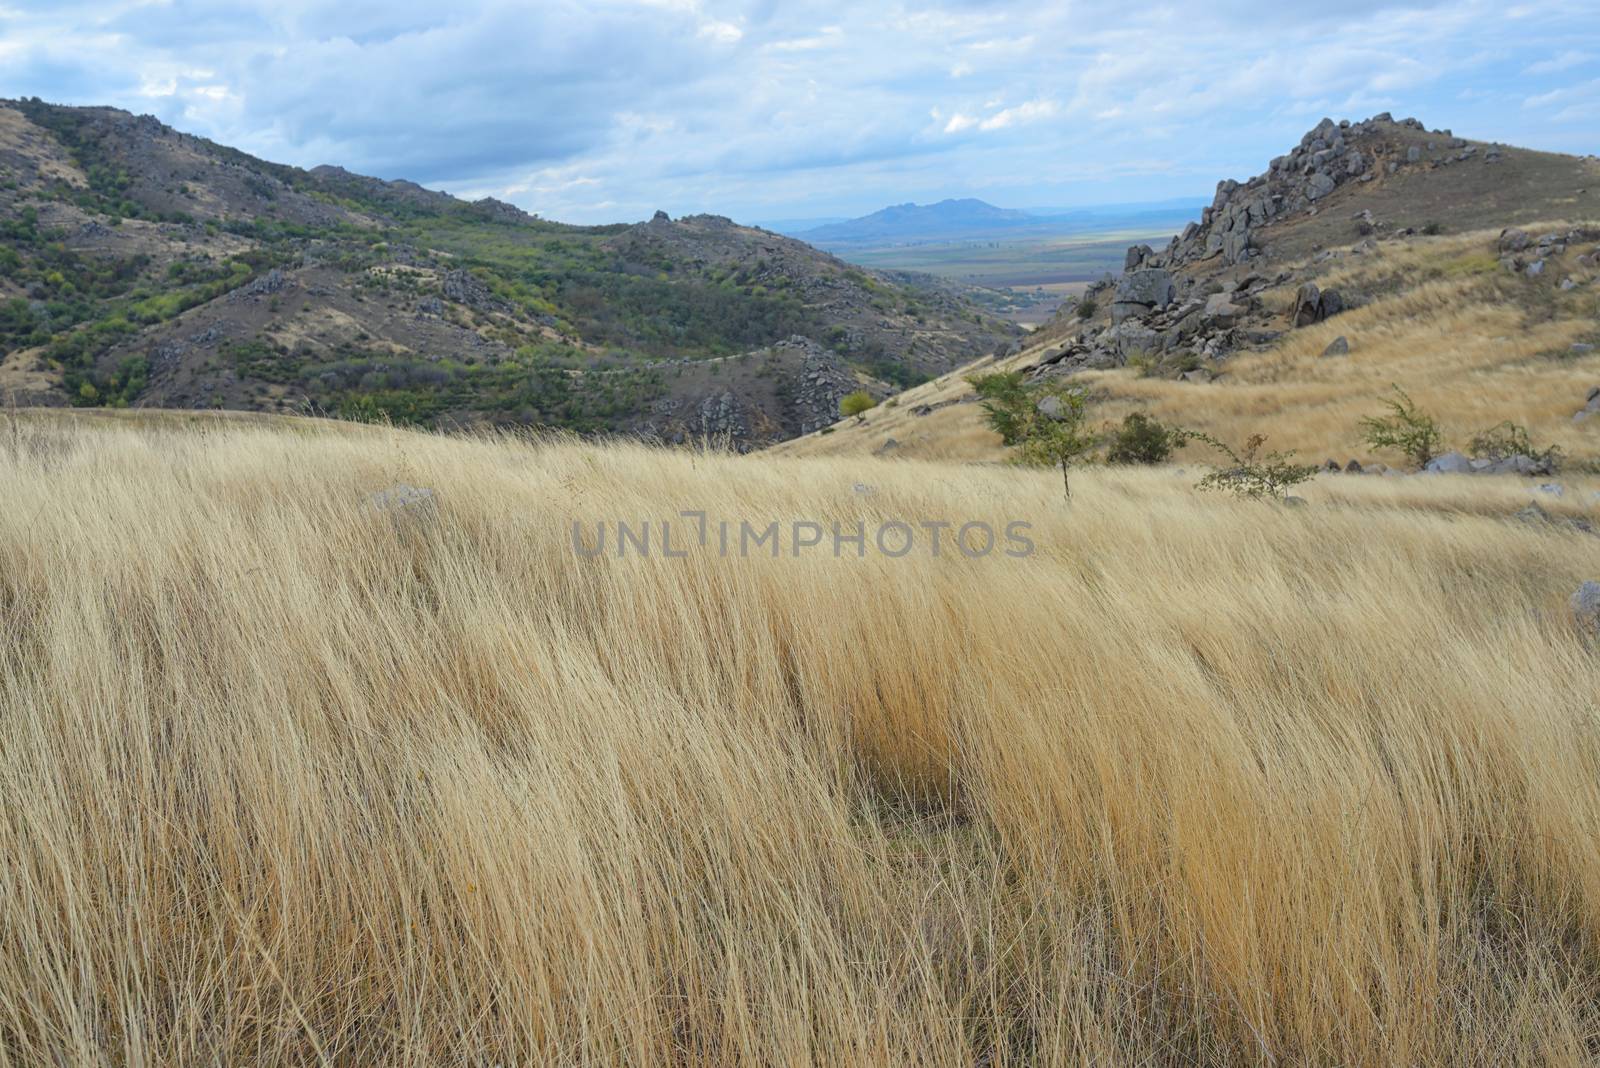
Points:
(1312, 305)
(822, 383)
(273, 281)
(1521, 253)
(1457, 463)
(464, 287)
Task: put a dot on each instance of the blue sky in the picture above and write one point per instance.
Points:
(608, 109)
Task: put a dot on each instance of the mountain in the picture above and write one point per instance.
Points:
(147, 267)
(970, 219)
(922, 222)
(1370, 254)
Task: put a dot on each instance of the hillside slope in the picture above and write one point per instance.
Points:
(144, 266)
(1467, 273)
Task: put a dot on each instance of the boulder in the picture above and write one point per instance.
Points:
(1331, 304)
(1585, 604)
(1142, 291)
(1339, 346)
(1512, 240)
(406, 503)
(1353, 467)
(1318, 186)
(1307, 305)
(1136, 257)
(1221, 310)
(1451, 463)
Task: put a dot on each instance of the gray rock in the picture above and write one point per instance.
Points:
(1585, 604)
(1339, 346)
(1221, 310)
(412, 503)
(1413, 154)
(1353, 467)
(1050, 407)
(1451, 463)
(1515, 465)
(1534, 269)
(1554, 489)
(1141, 292)
(1318, 186)
(1307, 305)
(1513, 240)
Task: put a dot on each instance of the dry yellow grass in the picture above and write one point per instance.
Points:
(1199, 782)
(1472, 344)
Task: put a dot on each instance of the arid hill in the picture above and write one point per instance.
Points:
(147, 267)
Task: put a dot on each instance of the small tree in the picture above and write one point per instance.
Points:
(1087, 307)
(1405, 428)
(1044, 420)
(857, 404)
(1143, 440)
(1251, 474)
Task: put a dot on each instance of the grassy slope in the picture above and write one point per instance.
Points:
(1201, 782)
(1470, 342)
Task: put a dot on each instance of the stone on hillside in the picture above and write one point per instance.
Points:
(1222, 311)
(1136, 256)
(1307, 304)
(1513, 240)
(1142, 291)
(1313, 306)
(1318, 186)
(1413, 154)
(1567, 284)
(1451, 463)
(1534, 269)
(1586, 606)
(405, 502)
(1353, 467)
(1050, 407)
(1339, 346)
(1516, 465)
(1554, 489)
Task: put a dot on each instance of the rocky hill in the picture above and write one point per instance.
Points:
(143, 266)
(1343, 189)
(1373, 253)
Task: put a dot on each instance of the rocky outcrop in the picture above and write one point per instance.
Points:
(1142, 291)
(1313, 305)
(823, 382)
(1330, 155)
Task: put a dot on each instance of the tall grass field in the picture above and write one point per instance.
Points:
(292, 779)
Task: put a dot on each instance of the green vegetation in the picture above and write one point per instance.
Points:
(856, 404)
(1413, 432)
(1252, 473)
(1511, 439)
(1044, 420)
(1143, 440)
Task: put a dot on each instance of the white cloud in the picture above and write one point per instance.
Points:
(1032, 111)
(588, 106)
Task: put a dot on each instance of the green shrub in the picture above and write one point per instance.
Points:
(1511, 439)
(1087, 307)
(856, 404)
(1143, 440)
(1250, 473)
(1413, 432)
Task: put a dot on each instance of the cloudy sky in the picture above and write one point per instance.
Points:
(605, 110)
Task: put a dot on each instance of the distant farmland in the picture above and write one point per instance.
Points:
(1009, 261)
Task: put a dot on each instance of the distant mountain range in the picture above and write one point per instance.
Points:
(972, 219)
